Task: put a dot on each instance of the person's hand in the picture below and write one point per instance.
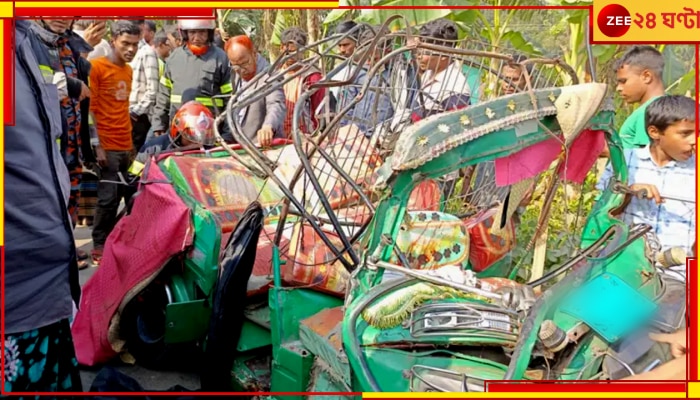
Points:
(677, 340)
(651, 191)
(101, 156)
(158, 133)
(95, 33)
(84, 91)
(695, 246)
(265, 135)
(90, 166)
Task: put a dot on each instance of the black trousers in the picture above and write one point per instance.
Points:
(109, 195)
(139, 130)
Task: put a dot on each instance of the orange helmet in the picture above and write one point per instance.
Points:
(194, 122)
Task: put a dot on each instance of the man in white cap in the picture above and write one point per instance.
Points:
(196, 65)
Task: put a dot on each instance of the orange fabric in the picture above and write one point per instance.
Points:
(110, 86)
(197, 50)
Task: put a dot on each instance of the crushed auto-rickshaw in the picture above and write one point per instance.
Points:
(371, 254)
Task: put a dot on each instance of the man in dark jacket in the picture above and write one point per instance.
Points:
(199, 65)
(40, 269)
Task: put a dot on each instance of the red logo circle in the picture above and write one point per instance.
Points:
(614, 20)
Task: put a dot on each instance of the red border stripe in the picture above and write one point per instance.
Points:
(167, 9)
(8, 111)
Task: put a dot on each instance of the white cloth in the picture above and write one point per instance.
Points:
(59, 79)
(436, 88)
(102, 49)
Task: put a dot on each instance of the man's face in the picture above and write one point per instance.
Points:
(242, 61)
(198, 37)
(163, 50)
(148, 34)
(346, 47)
(429, 60)
(631, 83)
(513, 80)
(677, 141)
(292, 51)
(125, 46)
(58, 26)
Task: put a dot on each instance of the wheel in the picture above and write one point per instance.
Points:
(143, 325)
(143, 328)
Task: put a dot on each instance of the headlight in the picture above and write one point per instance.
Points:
(430, 379)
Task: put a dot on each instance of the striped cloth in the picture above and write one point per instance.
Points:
(88, 195)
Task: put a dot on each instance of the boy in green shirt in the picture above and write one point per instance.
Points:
(639, 80)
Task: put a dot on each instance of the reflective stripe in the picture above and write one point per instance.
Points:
(167, 82)
(226, 88)
(207, 102)
(177, 99)
(91, 121)
(161, 68)
(47, 73)
(136, 168)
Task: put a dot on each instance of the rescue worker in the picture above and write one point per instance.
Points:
(198, 64)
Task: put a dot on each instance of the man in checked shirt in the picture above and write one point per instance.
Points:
(144, 88)
(666, 170)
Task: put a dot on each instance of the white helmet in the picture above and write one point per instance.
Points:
(193, 24)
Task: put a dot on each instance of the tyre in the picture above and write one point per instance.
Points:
(143, 329)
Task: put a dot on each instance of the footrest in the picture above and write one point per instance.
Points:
(321, 335)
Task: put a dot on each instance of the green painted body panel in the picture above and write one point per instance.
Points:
(253, 336)
(203, 260)
(186, 321)
(289, 306)
(291, 368)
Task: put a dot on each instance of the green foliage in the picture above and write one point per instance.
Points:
(565, 222)
(240, 22)
(413, 16)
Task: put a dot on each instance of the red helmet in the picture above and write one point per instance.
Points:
(194, 122)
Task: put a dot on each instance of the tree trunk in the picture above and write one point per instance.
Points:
(268, 23)
(312, 25)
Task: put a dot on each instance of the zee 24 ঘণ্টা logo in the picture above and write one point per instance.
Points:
(614, 20)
